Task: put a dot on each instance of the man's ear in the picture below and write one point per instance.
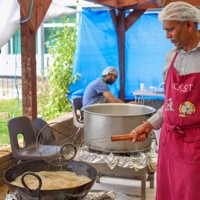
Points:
(190, 25)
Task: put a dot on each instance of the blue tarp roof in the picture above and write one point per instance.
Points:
(145, 50)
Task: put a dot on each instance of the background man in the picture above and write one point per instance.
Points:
(98, 92)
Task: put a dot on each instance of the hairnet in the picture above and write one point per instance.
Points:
(180, 11)
(111, 70)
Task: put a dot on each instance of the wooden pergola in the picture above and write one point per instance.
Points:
(29, 29)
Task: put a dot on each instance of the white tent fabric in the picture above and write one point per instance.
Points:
(57, 9)
(10, 17)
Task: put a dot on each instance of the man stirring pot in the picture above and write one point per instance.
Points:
(178, 176)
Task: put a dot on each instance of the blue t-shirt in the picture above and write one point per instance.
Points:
(94, 91)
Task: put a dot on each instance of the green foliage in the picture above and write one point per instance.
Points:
(62, 49)
(9, 108)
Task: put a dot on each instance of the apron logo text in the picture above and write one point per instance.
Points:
(183, 88)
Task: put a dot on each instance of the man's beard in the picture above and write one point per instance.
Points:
(109, 81)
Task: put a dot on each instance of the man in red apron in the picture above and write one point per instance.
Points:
(178, 169)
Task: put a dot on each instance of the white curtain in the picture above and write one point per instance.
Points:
(10, 16)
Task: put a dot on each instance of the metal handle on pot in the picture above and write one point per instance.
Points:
(121, 137)
(33, 192)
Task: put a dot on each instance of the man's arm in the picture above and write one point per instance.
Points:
(111, 98)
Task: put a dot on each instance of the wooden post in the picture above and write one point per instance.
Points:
(28, 51)
(121, 51)
(122, 24)
(118, 18)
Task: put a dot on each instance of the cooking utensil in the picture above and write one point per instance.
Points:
(106, 120)
(59, 149)
(75, 193)
(121, 137)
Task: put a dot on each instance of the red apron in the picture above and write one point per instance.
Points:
(178, 170)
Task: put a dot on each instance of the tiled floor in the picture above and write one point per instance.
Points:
(128, 187)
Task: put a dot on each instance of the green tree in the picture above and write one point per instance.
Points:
(59, 75)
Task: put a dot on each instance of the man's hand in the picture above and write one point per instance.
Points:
(141, 132)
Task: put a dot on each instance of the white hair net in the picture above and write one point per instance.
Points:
(180, 11)
(111, 70)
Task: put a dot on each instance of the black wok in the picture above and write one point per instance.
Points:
(76, 193)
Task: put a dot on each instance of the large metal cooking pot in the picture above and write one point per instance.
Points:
(76, 193)
(101, 121)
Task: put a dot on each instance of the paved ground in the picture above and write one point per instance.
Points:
(128, 187)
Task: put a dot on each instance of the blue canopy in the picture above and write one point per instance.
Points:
(145, 50)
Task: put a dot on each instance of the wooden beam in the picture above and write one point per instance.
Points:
(128, 4)
(35, 10)
(42, 8)
(28, 48)
(121, 51)
(193, 2)
(122, 23)
(133, 17)
(139, 4)
(149, 5)
(119, 20)
(36, 2)
(28, 11)
(32, 14)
